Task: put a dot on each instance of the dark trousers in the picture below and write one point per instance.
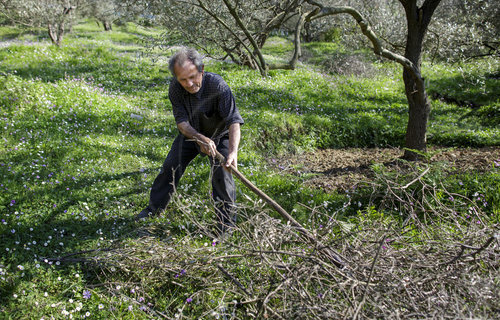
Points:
(180, 155)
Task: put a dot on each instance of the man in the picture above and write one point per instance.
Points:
(208, 120)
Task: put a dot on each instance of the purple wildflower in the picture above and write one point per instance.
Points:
(87, 294)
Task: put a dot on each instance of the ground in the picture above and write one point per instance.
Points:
(342, 169)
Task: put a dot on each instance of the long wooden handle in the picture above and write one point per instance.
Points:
(331, 254)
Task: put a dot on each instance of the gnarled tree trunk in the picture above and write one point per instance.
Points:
(419, 106)
(56, 32)
(418, 19)
(56, 27)
(107, 25)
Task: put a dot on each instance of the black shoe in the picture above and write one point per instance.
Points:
(144, 214)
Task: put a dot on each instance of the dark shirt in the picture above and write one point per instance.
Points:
(210, 111)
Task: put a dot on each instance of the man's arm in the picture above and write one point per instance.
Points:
(234, 142)
(207, 146)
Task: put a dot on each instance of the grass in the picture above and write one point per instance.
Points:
(76, 166)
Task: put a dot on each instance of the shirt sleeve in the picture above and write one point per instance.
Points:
(227, 106)
(178, 108)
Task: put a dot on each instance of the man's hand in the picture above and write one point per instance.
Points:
(207, 146)
(232, 159)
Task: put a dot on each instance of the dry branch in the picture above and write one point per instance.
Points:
(333, 256)
(438, 264)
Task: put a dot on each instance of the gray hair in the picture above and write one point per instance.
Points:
(184, 54)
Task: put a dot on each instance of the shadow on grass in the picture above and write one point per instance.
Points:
(10, 35)
(126, 84)
(464, 91)
(75, 212)
(46, 213)
(113, 73)
(278, 101)
(68, 230)
(331, 122)
(55, 238)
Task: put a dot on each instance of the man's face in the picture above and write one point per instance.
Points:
(188, 76)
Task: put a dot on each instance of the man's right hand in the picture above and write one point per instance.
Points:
(207, 146)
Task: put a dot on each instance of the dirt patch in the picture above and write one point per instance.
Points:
(342, 169)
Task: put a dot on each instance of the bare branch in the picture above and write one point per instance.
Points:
(378, 48)
(232, 11)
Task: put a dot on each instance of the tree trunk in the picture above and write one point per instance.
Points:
(297, 52)
(107, 25)
(56, 27)
(418, 102)
(52, 33)
(258, 61)
(257, 53)
(296, 40)
(56, 33)
(60, 32)
(307, 32)
(419, 110)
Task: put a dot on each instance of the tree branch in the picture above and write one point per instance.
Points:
(378, 48)
(326, 251)
(428, 9)
(237, 18)
(202, 6)
(234, 280)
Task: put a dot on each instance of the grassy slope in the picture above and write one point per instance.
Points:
(76, 166)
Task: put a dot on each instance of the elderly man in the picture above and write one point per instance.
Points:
(208, 120)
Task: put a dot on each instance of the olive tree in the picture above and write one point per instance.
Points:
(404, 30)
(418, 18)
(108, 12)
(59, 15)
(56, 15)
(465, 29)
(237, 29)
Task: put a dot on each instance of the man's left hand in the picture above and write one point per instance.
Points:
(232, 159)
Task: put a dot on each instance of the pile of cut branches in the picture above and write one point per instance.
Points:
(435, 259)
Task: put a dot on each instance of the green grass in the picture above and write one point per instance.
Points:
(75, 167)
(9, 32)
